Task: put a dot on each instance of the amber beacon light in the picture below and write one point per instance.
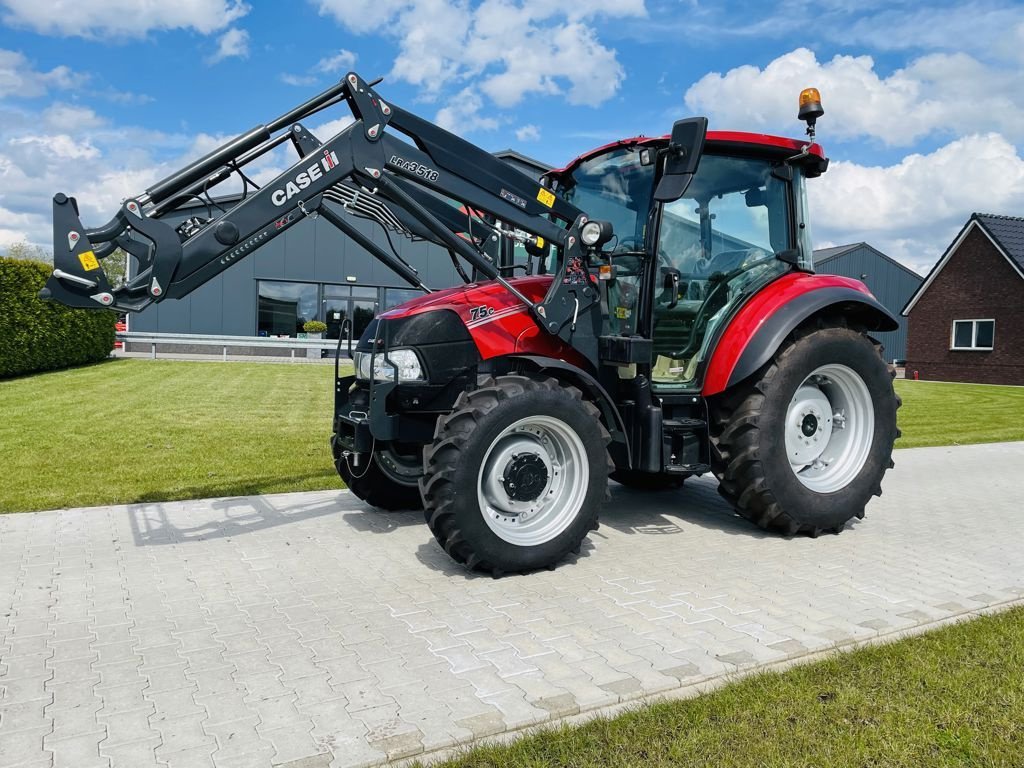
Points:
(810, 108)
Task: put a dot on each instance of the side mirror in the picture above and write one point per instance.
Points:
(756, 197)
(684, 151)
(671, 285)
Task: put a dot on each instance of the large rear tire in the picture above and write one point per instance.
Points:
(803, 446)
(516, 474)
(388, 479)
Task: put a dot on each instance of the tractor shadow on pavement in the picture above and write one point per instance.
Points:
(160, 523)
(669, 513)
(632, 512)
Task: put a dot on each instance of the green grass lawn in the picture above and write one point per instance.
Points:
(151, 430)
(154, 430)
(958, 414)
(952, 697)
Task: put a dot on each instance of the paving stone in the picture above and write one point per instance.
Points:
(134, 754)
(80, 751)
(179, 734)
(290, 743)
(194, 757)
(483, 725)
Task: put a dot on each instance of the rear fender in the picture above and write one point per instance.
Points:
(764, 322)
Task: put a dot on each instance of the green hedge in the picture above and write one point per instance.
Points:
(37, 335)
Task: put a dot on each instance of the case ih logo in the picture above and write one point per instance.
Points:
(304, 179)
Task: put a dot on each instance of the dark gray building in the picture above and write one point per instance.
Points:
(892, 283)
(310, 272)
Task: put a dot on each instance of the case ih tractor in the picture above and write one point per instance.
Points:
(647, 313)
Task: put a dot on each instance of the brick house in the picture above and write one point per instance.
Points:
(966, 321)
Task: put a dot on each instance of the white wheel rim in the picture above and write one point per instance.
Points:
(830, 425)
(549, 458)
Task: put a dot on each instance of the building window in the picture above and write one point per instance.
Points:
(283, 307)
(395, 296)
(973, 334)
(348, 309)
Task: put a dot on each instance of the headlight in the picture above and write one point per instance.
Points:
(595, 233)
(405, 360)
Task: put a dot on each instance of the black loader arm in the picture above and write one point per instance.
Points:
(389, 166)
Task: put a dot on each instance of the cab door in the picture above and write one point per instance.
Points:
(712, 245)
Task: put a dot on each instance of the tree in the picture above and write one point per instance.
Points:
(115, 265)
(29, 252)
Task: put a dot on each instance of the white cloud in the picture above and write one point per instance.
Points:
(70, 118)
(462, 114)
(122, 18)
(232, 44)
(65, 148)
(528, 132)
(342, 61)
(300, 81)
(942, 94)
(19, 78)
(913, 209)
(510, 49)
(328, 130)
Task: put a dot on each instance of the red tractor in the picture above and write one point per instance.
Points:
(668, 323)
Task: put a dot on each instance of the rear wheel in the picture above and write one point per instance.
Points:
(515, 475)
(387, 479)
(803, 446)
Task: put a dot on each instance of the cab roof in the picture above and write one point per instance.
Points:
(715, 140)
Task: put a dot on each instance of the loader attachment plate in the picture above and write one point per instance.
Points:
(78, 279)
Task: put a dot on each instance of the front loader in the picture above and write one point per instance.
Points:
(667, 322)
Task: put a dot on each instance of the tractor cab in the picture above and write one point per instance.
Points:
(679, 268)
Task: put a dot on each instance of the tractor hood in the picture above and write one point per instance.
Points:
(498, 322)
(475, 301)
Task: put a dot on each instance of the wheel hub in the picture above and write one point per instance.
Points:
(525, 477)
(532, 481)
(829, 427)
(809, 425)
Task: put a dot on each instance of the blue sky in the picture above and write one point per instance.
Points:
(924, 105)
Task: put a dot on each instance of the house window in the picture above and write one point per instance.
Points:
(973, 334)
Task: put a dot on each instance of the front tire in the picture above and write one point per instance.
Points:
(387, 479)
(516, 474)
(803, 446)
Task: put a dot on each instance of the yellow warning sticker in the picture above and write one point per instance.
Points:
(540, 241)
(89, 261)
(546, 197)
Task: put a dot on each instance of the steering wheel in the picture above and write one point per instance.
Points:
(726, 261)
(629, 244)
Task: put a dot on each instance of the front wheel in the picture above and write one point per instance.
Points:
(803, 446)
(515, 475)
(387, 479)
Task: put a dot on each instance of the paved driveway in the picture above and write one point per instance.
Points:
(305, 628)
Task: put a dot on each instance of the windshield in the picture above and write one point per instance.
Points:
(617, 188)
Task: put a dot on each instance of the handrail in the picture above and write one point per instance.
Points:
(225, 342)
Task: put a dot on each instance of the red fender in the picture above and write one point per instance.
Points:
(757, 330)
